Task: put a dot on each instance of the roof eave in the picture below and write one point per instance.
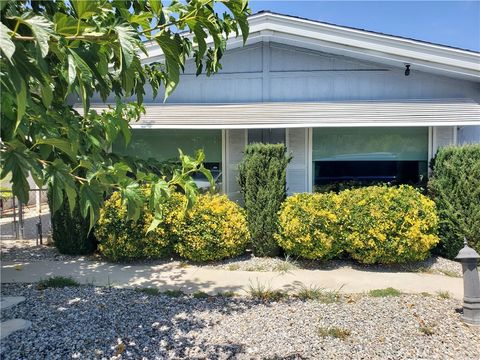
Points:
(365, 45)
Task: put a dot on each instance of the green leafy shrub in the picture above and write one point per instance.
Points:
(122, 239)
(56, 282)
(384, 292)
(455, 188)
(309, 226)
(339, 186)
(263, 184)
(70, 231)
(375, 224)
(388, 224)
(214, 228)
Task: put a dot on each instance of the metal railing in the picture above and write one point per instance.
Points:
(22, 221)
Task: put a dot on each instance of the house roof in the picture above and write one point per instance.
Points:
(357, 43)
(439, 112)
(365, 30)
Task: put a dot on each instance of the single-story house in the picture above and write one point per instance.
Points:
(350, 104)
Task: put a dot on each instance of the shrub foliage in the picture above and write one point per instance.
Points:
(263, 183)
(375, 224)
(123, 239)
(455, 187)
(309, 226)
(388, 224)
(215, 228)
(70, 230)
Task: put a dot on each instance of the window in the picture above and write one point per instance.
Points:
(370, 155)
(163, 144)
(266, 136)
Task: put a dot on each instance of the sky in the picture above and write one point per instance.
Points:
(453, 23)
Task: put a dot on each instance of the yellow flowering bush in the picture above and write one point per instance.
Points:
(121, 239)
(215, 228)
(387, 225)
(309, 226)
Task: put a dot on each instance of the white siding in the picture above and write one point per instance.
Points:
(235, 146)
(282, 73)
(297, 179)
(442, 136)
(469, 135)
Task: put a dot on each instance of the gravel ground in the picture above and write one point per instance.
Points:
(433, 265)
(96, 323)
(27, 251)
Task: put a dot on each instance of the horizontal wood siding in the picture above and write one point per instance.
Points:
(297, 168)
(442, 136)
(235, 146)
(276, 72)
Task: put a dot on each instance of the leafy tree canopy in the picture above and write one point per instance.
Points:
(56, 51)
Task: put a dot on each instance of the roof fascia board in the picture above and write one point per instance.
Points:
(371, 55)
(330, 124)
(350, 42)
(363, 35)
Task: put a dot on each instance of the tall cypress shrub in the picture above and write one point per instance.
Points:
(455, 188)
(70, 231)
(264, 187)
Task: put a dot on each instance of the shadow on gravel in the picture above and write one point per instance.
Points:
(90, 322)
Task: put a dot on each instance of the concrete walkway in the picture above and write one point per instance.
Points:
(190, 278)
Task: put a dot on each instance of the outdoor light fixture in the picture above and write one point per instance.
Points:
(407, 69)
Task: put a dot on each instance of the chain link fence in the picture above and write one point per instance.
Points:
(29, 221)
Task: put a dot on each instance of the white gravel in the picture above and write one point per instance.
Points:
(102, 323)
(27, 250)
(433, 265)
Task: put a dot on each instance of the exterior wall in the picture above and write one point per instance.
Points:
(297, 170)
(274, 72)
(442, 136)
(235, 142)
(469, 134)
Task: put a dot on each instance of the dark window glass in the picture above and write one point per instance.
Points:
(368, 172)
(266, 136)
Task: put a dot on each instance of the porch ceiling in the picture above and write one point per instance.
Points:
(438, 112)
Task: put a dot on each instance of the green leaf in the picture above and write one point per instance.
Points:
(15, 161)
(20, 94)
(42, 30)
(85, 79)
(154, 224)
(21, 102)
(238, 9)
(61, 144)
(67, 25)
(141, 19)
(128, 42)
(3, 3)
(59, 180)
(6, 44)
(82, 66)
(72, 75)
(133, 198)
(125, 129)
(71, 196)
(160, 192)
(173, 60)
(209, 177)
(85, 8)
(47, 95)
(156, 6)
(90, 199)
